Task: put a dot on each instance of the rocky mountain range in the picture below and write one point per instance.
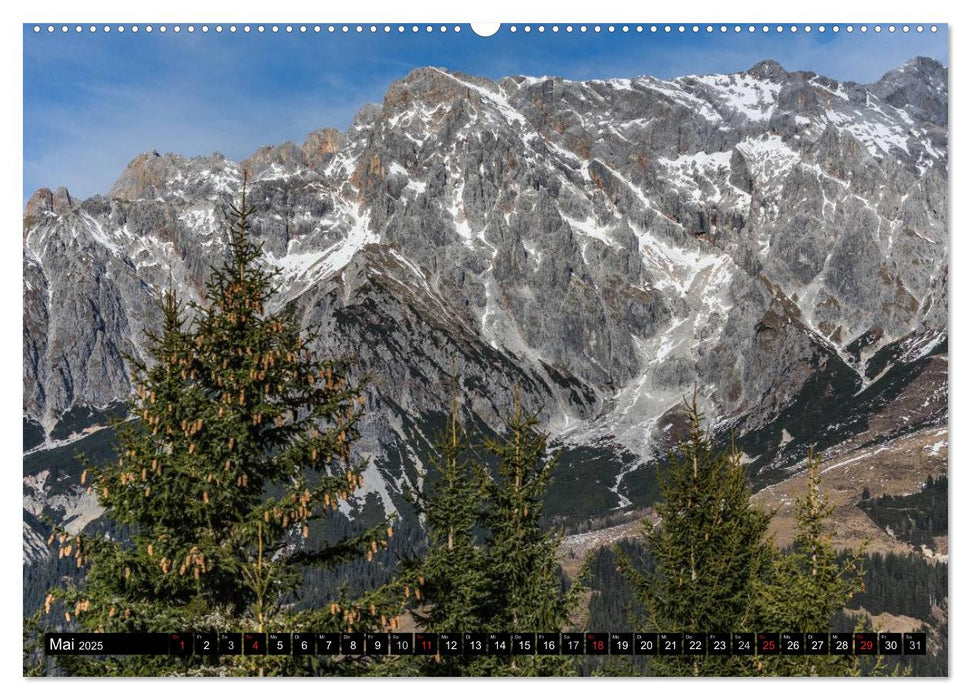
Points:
(776, 242)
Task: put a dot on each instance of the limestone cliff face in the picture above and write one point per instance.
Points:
(605, 247)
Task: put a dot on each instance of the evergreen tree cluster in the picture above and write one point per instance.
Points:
(707, 531)
(490, 566)
(901, 584)
(916, 518)
(613, 603)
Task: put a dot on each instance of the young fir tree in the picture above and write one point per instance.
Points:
(808, 584)
(709, 550)
(242, 440)
(449, 581)
(524, 588)
(452, 570)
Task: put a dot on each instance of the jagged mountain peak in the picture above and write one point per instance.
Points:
(924, 66)
(425, 87)
(768, 70)
(919, 87)
(151, 175)
(43, 202)
(285, 157)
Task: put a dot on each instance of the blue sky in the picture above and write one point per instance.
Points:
(92, 102)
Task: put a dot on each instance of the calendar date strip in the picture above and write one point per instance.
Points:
(215, 644)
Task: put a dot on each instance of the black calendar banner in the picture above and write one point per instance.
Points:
(208, 644)
(94, 644)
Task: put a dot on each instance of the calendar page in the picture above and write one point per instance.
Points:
(485, 350)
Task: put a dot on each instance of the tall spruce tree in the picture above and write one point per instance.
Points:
(241, 442)
(452, 573)
(449, 580)
(709, 550)
(525, 590)
(808, 584)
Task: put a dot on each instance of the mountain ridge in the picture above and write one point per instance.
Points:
(606, 247)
